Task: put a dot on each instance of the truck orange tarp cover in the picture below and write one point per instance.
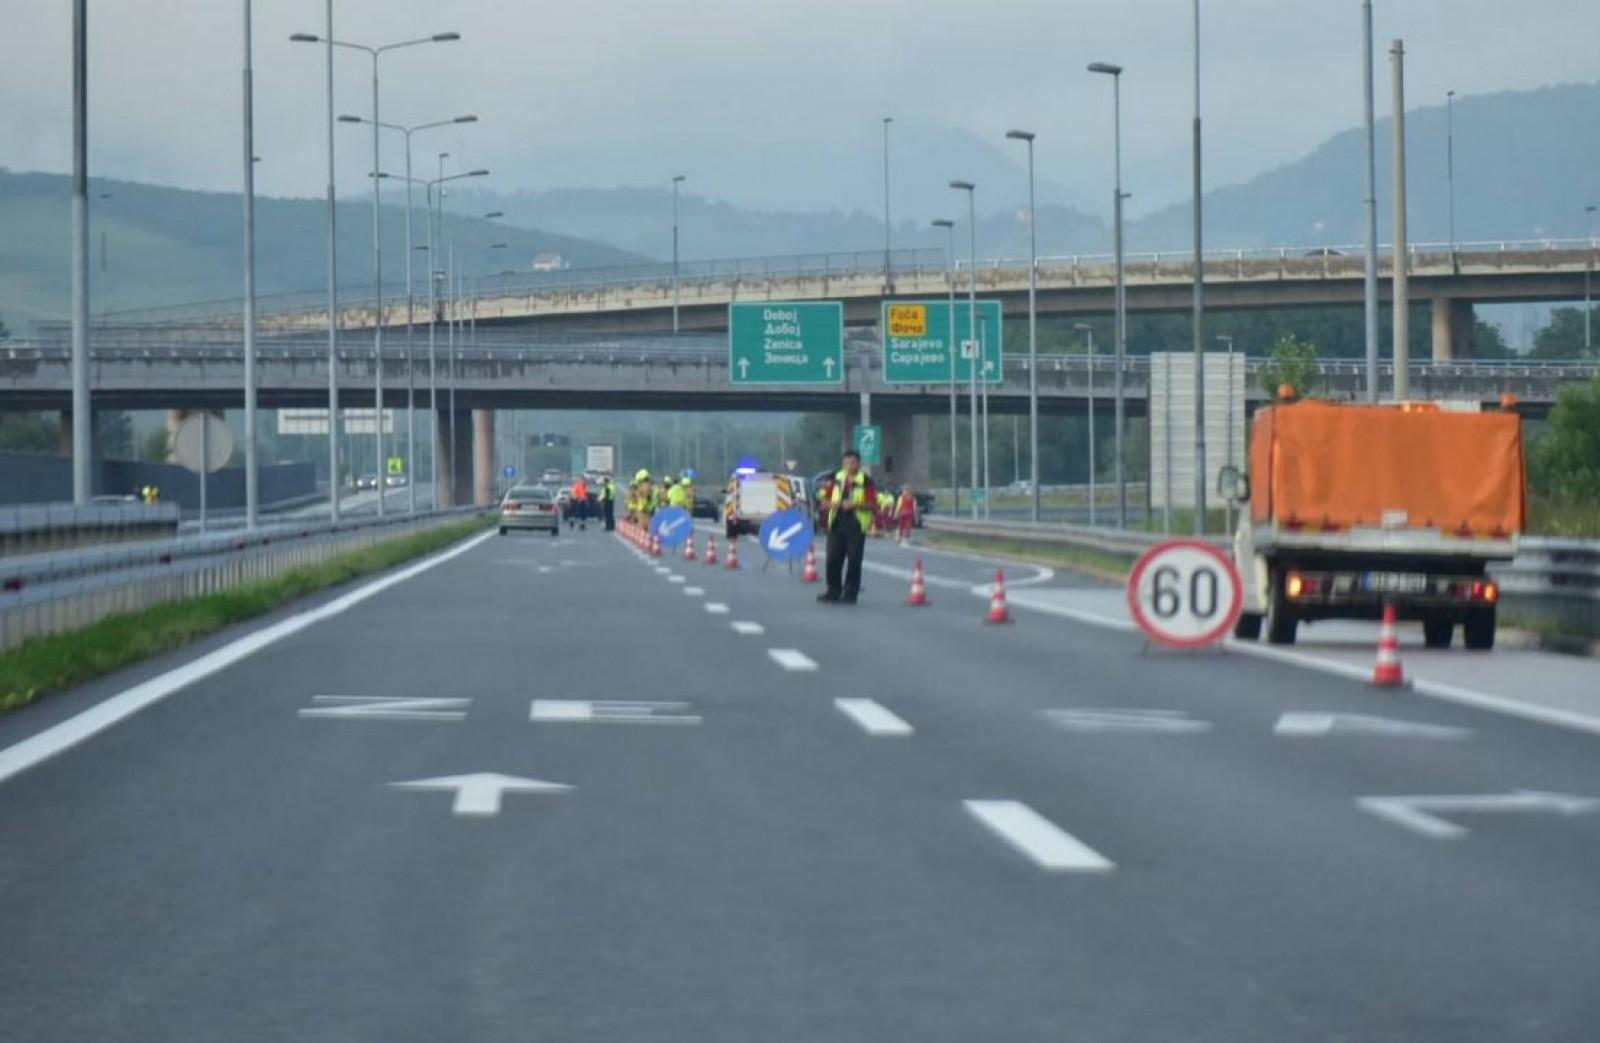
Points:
(1318, 465)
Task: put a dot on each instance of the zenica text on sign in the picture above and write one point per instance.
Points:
(781, 344)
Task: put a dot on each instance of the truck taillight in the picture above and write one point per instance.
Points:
(1294, 585)
(1485, 590)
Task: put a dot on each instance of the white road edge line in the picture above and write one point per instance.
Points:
(1047, 845)
(792, 659)
(747, 628)
(873, 717)
(68, 733)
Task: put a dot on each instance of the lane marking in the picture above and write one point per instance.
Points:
(662, 570)
(1422, 814)
(676, 579)
(1047, 845)
(59, 737)
(1147, 722)
(544, 568)
(694, 592)
(716, 608)
(574, 711)
(479, 795)
(380, 708)
(792, 659)
(873, 717)
(1321, 725)
(746, 628)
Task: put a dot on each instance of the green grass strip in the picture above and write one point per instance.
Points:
(48, 664)
(1093, 562)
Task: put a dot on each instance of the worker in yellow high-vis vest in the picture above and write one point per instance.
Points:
(850, 499)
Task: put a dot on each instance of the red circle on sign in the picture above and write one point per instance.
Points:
(1152, 628)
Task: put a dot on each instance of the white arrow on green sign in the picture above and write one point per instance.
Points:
(869, 444)
(916, 341)
(786, 342)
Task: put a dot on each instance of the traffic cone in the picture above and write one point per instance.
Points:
(711, 549)
(733, 554)
(919, 594)
(688, 548)
(1387, 672)
(810, 574)
(997, 600)
(655, 546)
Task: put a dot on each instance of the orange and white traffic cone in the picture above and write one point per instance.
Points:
(1387, 672)
(997, 600)
(655, 546)
(919, 594)
(733, 554)
(688, 548)
(711, 549)
(810, 574)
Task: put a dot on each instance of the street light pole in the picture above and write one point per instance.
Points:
(1588, 275)
(1370, 281)
(251, 472)
(888, 272)
(1450, 168)
(1033, 325)
(980, 364)
(1088, 331)
(972, 323)
(82, 419)
(1228, 444)
(1199, 310)
(677, 179)
(952, 348)
(1120, 321)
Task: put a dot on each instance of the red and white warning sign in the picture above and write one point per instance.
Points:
(1185, 593)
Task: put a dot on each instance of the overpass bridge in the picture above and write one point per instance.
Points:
(639, 300)
(688, 373)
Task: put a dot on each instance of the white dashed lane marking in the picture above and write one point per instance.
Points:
(746, 628)
(1047, 845)
(716, 608)
(873, 717)
(792, 659)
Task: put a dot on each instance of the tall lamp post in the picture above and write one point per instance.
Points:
(951, 346)
(1088, 332)
(1199, 309)
(1369, 291)
(677, 179)
(251, 472)
(972, 320)
(1120, 322)
(888, 271)
(1227, 338)
(1588, 275)
(377, 239)
(1033, 324)
(82, 479)
(1450, 169)
(411, 404)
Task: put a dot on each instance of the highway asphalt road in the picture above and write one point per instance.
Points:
(1044, 831)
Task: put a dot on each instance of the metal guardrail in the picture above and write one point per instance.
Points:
(35, 528)
(42, 594)
(1116, 542)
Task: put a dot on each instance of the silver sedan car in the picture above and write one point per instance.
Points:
(530, 507)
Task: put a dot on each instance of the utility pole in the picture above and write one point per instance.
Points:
(251, 491)
(888, 271)
(1370, 283)
(1199, 310)
(1402, 264)
(82, 417)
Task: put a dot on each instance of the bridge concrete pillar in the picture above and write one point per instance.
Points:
(906, 450)
(483, 457)
(454, 486)
(1452, 328)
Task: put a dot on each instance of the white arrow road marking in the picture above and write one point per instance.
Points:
(1319, 725)
(479, 794)
(573, 711)
(873, 717)
(792, 659)
(1042, 841)
(780, 538)
(694, 592)
(1158, 722)
(747, 629)
(716, 608)
(379, 708)
(1421, 814)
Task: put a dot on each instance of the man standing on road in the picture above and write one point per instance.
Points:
(851, 499)
(580, 502)
(608, 502)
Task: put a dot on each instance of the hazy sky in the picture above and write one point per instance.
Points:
(612, 92)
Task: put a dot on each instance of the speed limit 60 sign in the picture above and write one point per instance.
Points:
(1185, 593)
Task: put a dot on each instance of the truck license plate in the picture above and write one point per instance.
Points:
(1394, 582)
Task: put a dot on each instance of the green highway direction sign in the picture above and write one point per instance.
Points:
(916, 341)
(869, 443)
(785, 342)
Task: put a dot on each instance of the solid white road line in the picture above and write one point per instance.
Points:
(792, 659)
(381, 708)
(102, 715)
(1042, 841)
(746, 628)
(873, 717)
(716, 608)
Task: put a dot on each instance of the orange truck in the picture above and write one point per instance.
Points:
(1353, 506)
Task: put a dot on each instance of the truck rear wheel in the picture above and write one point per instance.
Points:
(1436, 633)
(1281, 623)
(1478, 630)
(1248, 628)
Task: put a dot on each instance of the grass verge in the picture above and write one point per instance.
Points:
(1095, 563)
(48, 664)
